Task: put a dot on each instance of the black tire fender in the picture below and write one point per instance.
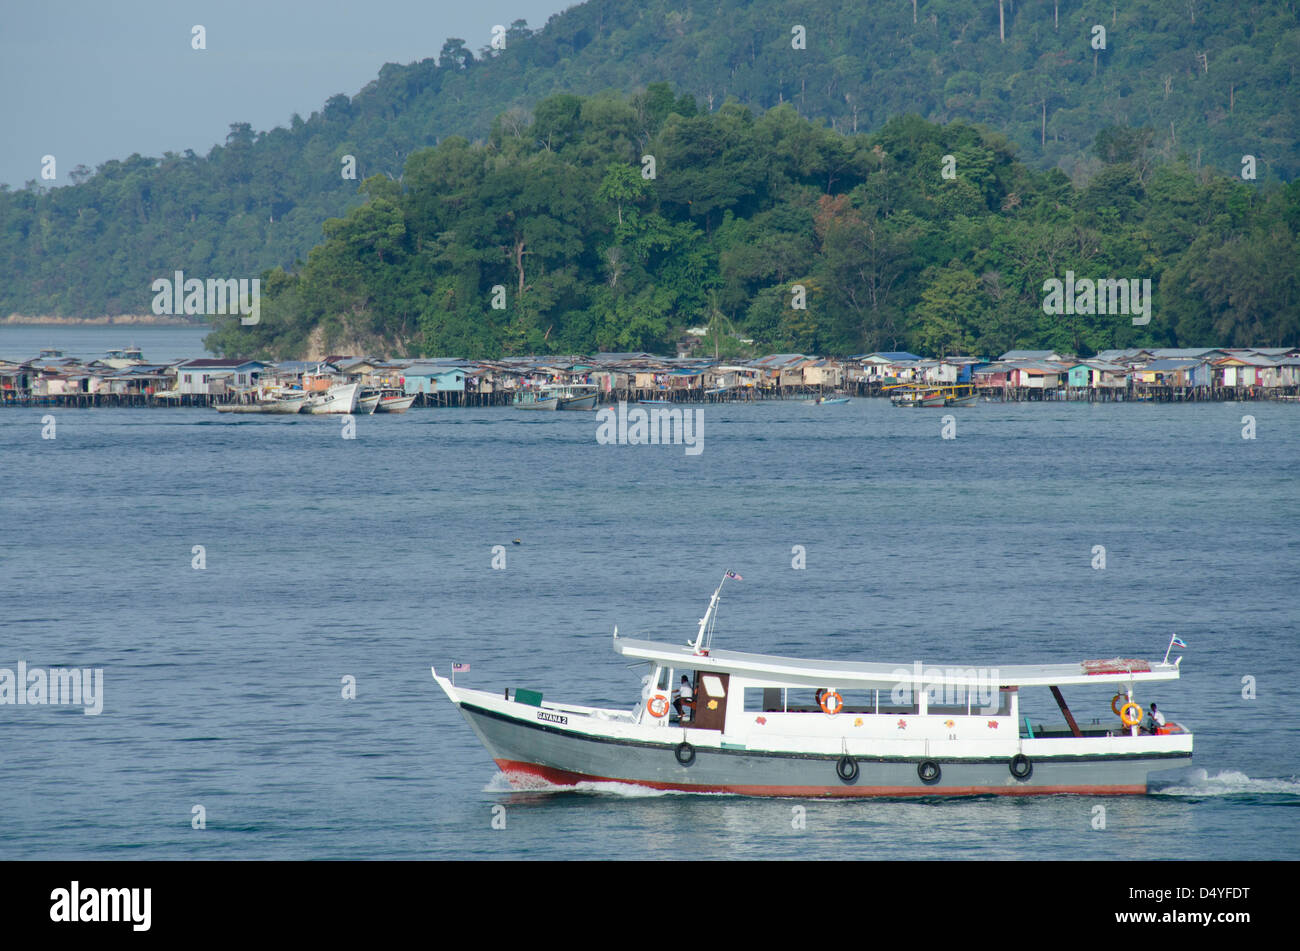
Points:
(1021, 767)
(685, 753)
(847, 769)
(929, 772)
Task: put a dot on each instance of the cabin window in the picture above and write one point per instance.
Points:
(909, 706)
(953, 709)
(713, 686)
(805, 700)
(664, 674)
(1003, 702)
(764, 700)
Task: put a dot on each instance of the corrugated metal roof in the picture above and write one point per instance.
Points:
(1027, 355)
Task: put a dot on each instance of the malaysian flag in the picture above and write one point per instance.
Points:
(460, 668)
(732, 574)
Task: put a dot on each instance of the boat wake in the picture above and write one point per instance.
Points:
(1228, 782)
(526, 783)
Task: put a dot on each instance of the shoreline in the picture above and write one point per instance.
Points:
(423, 401)
(125, 320)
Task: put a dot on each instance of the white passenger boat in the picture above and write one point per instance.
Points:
(779, 726)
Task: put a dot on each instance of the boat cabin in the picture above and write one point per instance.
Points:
(738, 693)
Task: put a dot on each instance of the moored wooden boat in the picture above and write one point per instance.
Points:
(394, 403)
(340, 398)
(542, 398)
(268, 401)
(578, 396)
(917, 398)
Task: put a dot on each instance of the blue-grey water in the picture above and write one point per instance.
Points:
(86, 342)
(372, 558)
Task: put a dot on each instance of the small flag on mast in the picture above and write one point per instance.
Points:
(1174, 641)
(460, 668)
(732, 574)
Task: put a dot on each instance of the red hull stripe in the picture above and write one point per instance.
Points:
(562, 777)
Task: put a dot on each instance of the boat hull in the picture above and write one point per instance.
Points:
(287, 407)
(278, 406)
(923, 402)
(339, 399)
(579, 402)
(395, 404)
(546, 405)
(530, 752)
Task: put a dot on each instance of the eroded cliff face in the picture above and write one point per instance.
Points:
(321, 344)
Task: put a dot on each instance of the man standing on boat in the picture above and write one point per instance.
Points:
(685, 698)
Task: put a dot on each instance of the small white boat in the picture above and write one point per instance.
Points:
(394, 403)
(340, 398)
(543, 398)
(763, 725)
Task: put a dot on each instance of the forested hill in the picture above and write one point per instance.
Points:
(615, 223)
(1212, 81)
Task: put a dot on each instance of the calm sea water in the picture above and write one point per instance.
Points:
(93, 341)
(372, 557)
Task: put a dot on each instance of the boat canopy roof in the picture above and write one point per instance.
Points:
(790, 671)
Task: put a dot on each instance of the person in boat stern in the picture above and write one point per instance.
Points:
(685, 698)
(1155, 720)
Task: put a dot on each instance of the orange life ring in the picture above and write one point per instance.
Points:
(1123, 714)
(1114, 703)
(658, 705)
(831, 703)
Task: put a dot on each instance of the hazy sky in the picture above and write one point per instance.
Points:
(91, 80)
